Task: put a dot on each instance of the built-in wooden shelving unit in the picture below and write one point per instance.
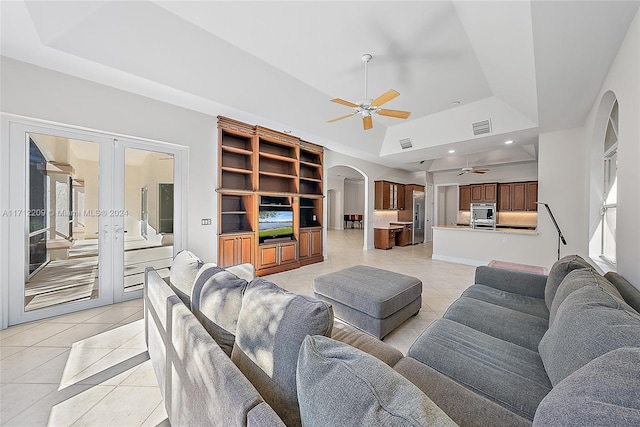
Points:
(257, 162)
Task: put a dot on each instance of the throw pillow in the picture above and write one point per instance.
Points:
(604, 392)
(216, 300)
(184, 268)
(589, 323)
(271, 327)
(575, 280)
(558, 271)
(341, 385)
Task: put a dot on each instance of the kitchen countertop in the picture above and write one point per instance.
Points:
(484, 230)
(389, 227)
(401, 222)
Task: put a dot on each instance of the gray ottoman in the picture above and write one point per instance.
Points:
(374, 300)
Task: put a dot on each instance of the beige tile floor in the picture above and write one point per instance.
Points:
(91, 369)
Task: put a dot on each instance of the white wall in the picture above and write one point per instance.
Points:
(336, 185)
(624, 82)
(39, 93)
(353, 197)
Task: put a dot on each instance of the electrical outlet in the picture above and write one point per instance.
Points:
(206, 221)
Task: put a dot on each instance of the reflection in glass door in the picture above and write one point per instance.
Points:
(63, 221)
(148, 214)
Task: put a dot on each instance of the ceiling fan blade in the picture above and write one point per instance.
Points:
(367, 122)
(340, 118)
(394, 113)
(461, 173)
(343, 102)
(385, 97)
(480, 171)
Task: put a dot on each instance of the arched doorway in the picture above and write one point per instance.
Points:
(347, 202)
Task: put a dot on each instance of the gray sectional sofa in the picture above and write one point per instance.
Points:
(514, 349)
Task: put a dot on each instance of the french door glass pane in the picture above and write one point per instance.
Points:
(148, 214)
(63, 216)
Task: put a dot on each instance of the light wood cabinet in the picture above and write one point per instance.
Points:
(310, 244)
(235, 249)
(275, 255)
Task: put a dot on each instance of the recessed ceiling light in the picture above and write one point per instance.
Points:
(455, 103)
(508, 142)
(452, 151)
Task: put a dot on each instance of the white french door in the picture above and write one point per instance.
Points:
(74, 218)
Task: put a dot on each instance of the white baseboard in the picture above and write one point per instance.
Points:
(459, 260)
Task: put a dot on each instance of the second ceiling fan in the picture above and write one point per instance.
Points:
(369, 107)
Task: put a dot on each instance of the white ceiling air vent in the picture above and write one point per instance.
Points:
(482, 127)
(406, 143)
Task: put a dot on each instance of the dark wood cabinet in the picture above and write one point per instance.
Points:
(477, 193)
(235, 249)
(385, 238)
(465, 198)
(404, 236)
(518, 196)
(504, 197)
(388, 195)
(531, 196)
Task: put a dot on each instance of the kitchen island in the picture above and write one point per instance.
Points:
(466, 245)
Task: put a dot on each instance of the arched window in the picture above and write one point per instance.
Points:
(610, 194)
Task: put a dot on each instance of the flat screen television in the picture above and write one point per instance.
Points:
(275, 223)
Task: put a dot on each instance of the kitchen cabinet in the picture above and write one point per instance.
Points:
(235, 249)
(385, 238)
(465, 198)
(310, 244)
(477, 193)
(388, 195)
(403, 236)
(518, 196)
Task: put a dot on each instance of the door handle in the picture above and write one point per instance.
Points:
(116, 229)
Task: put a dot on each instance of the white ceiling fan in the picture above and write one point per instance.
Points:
(469, 169)
(369, 107)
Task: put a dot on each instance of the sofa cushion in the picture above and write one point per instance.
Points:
(341, 385)
(505, 373)
(604, 392)
(509, 325)
(575, 280)
(363, 341)
(216, 300)
(271, 327)
(558, 271)
(184, 268)
(630, 294)
(589, 323)
(522, 303)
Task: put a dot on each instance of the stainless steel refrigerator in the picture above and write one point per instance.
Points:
(418, 217)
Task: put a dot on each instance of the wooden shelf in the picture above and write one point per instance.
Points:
(311, 179)
(277, 157)
(236, 150)
(313, 165)
(236, 170)
(281, 175)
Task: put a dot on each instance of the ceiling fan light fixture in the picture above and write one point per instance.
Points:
(368, 107)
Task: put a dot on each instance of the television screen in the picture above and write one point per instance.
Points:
(274, 223)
